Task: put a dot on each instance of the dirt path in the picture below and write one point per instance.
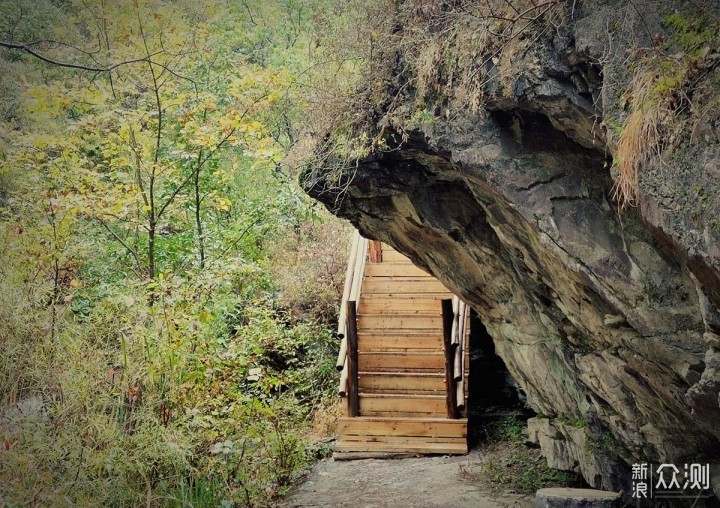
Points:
(409, 483)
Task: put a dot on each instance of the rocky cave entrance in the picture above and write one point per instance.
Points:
(493, 393)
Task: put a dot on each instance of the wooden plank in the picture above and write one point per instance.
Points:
(399, 321)
(400, 414)
(407, 383)
(426, 404)
(420, 427)
(402, 440)
(390, 255)
(404, 296)
(394, 270)
(375, 251)
(370, 342)
(338, 455)
(352, 362)
(379, 303)
(352, 259)
(429, 448)
(402, 285)
(371, 362)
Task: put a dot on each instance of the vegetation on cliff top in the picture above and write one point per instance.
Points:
(671, 91)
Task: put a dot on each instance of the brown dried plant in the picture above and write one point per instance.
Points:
(641, 140)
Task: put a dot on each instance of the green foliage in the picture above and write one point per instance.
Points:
(160, 291)
(523, 470)
(420, 118)
(512, 466)
(606, 443)
(509, 428)
(573, 422)
(691, 32)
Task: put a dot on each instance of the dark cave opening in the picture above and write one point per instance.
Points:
(493, 393)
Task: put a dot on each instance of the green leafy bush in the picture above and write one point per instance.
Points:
(166, 291)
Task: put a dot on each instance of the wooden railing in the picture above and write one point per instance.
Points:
(455, 314)
(450, 383)
(460, 329)
(353, 388)
(351, 293)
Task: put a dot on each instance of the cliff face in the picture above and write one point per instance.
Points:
(608, 319)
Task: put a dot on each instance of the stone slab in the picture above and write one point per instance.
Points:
(576, 498)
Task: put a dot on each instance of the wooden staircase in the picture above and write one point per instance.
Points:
(403, 396)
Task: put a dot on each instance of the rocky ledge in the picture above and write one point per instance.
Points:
(608, 319)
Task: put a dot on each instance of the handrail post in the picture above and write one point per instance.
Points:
(352, 361)
(450, 383)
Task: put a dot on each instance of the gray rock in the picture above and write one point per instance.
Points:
(576, 498)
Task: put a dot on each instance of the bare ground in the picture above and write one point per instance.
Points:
(421, 482)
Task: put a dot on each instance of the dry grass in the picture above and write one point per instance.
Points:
(641, 138)
(405, 58)
(308, 266)
(453, 53)
(326, 419)
(513, 467)
(658, 94)
(640, 141)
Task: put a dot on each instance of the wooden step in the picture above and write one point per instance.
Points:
(400, 321)
(402, 405)
(400, 361)
(419, 447)
(392, 256)
(382, 341)
(401, 439)
(418, 427)
(409, 383)
(388, 269)
(364, 436)
(403, 285)
(402, 304)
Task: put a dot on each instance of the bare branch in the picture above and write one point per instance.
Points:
(27, 48)
(247, 8)
(15, 25)
(64, 44)
(122, 242)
